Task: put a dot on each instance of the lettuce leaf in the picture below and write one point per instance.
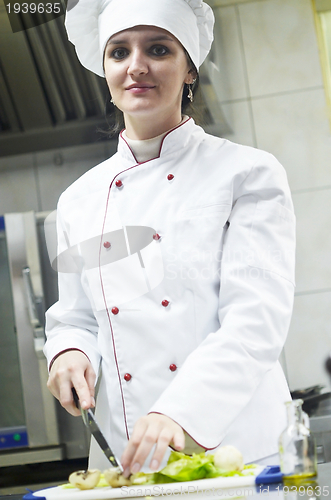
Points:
(182, 467)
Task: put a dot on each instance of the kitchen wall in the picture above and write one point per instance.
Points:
(268, 78)
(271, 88)
(35, 181)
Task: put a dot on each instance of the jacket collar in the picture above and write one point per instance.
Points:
(174, 140)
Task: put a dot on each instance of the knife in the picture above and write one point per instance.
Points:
(91, 423)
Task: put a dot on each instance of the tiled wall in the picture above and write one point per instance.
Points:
(270, 85)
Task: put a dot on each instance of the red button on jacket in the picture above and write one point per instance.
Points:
(156, 237)
(173, 367)
(115, 310)
(170, 177)
(107, 244)
(165, 303)
(119, 183)
(127, 377)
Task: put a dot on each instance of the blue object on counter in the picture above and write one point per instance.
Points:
(2, 223)
(270, 474)
(31, 496)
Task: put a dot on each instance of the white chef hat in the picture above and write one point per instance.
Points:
(90, 24)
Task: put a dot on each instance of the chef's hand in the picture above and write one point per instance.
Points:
(72, 369)
(150, 430)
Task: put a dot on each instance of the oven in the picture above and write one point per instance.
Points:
(34, 428)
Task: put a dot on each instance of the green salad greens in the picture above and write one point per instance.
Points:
(181, 467)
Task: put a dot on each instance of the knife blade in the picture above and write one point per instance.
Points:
(92, 425)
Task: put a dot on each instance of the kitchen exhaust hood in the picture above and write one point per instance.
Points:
(47, 99)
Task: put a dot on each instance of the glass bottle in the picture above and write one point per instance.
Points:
(297, 448)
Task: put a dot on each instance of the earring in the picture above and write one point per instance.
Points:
(190, 93)
(112, 101)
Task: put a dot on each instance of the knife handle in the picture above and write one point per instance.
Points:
(75, 396)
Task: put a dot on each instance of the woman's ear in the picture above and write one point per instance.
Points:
(191, 76)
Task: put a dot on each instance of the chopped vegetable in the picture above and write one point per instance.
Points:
(101, 484)
(229, 458)
(85, 479)
(115, 478)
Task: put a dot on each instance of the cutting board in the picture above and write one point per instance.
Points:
(261, 475)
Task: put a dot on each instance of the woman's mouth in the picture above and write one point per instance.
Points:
(140, 88)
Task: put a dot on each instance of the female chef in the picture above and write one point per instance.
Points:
(175, 256)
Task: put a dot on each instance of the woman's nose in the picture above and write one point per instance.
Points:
(138, 63)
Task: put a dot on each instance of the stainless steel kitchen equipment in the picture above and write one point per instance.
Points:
(317, 404)
(33, 426)
(320, 425)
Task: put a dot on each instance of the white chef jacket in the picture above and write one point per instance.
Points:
(179, 274)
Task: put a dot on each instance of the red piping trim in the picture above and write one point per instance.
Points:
(62, 352)
(128, 145)
(202, 446)
(161, 145)
(107, 311)
(101, 281)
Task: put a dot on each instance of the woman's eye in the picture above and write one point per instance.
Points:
(119, 53)
(159, 50)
